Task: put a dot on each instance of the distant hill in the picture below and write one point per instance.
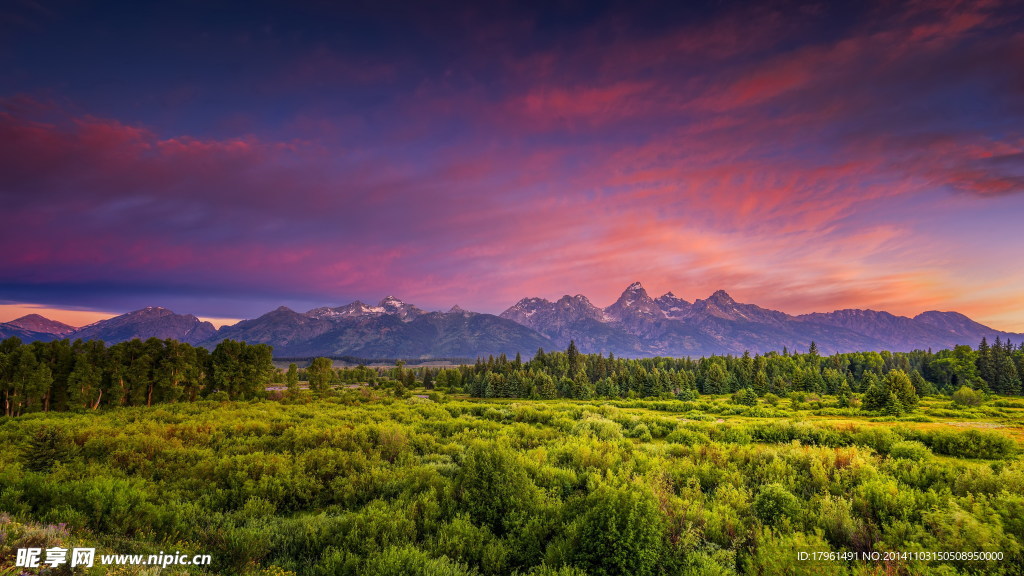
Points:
(151, 322)
(37, 323)
(34, 327)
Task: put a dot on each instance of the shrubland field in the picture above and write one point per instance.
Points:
(366, 481)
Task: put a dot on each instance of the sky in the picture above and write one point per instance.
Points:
(226, 158)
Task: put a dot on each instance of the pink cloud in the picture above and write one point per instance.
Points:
(713, 156)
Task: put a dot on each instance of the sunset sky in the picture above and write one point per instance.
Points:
(225, 158)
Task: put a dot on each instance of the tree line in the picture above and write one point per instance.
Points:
(86, 375)
(994, 368)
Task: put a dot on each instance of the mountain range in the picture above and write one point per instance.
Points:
(635, 325)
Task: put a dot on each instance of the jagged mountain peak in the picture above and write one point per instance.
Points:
(634, 303)
(721, 305)
(633, 293)
(672, 305)
(573, 300)
(405, 312)
(636, 288)
(390, 305)
(534, 301)
(670, 297)
(721, 296)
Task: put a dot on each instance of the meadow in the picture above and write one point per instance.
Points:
(378, 480)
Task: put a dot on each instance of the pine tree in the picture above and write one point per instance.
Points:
(745, 397)
(716, 381)
(48, 446)
(921, 386)
(898, 383)
(986, 366)
(761, 383)
(844, 394)
(573, 355)
(544, 386)
(875, 396)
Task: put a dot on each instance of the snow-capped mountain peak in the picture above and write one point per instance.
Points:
(357, 309)
(673, 306)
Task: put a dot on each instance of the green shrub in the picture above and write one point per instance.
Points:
(971, 444)
(620, 532)
(967, 397)
(411, 561)
(494, 488)
(689, 437)
(878, 438)
(774, 502)
(640, 432)
(600, 428)
(909, 450)
(745, 397)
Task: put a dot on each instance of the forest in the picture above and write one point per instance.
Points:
(63, 375)
(564, 464)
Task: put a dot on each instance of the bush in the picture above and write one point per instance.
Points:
(967, 397)
(410, 561)
(689, 437)
(909, 450)
(878, 438)
(620, 532)
(600, 428)
(972, 444)
(774, 502)
(745, 397)
(641, 432)
(494, 488)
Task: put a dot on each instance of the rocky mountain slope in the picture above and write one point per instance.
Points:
(634, 325)
(391, 329)
(151, 322)
(638, 325)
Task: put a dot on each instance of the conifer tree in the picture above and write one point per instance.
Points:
(573, 355)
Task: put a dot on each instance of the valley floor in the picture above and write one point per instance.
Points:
(366, 483)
